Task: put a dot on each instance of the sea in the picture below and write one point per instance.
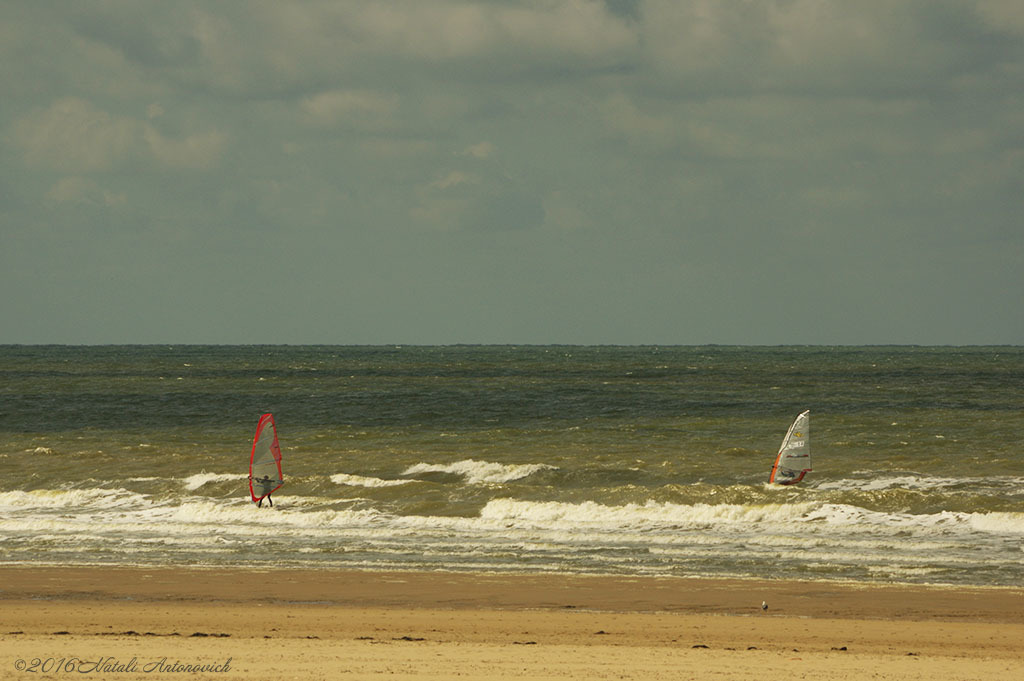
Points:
(630, 461)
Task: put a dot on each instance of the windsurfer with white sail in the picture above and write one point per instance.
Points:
(794, 459)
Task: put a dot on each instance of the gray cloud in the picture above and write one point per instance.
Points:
(521, 171)
(74, 135)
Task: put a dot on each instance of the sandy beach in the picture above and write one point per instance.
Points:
(134, 623)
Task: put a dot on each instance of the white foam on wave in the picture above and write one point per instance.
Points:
(924, 483)
(242, 517)
(814, 517)
(194, 482)
(912, 482)
(362, 481)
(21, 501)
(804, 519)
(998, 522)
(919, 524)
(651, 513)
(641, 537)
(477, 472)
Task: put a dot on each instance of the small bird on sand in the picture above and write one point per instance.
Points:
(764, 605)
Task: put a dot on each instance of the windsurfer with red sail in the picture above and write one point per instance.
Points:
(264, 460)
(266, 483)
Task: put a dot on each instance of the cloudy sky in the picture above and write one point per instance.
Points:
(512, 171)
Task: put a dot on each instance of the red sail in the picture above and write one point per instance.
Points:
(265, 476)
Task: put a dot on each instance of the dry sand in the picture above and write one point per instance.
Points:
(128, 623)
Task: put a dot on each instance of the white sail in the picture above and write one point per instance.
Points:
(794, 459)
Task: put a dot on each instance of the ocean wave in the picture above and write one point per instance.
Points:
(478, 472)
(243, 516)
(909, 481)
(589, 513)
(76, 498)
(792, 517)
(362, 481)
(928, 489)
(998, 523)
(194, 482)
(797, 539)
(652, 518)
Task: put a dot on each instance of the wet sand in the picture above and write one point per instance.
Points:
(129, 623)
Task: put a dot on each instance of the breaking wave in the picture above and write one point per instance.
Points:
(481, 472)
(194, 482)
(364, 481)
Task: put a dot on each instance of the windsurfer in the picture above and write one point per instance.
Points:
(264, 461)
(266, 482)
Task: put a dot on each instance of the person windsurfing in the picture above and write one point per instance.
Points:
(265, 459)
(266, 483)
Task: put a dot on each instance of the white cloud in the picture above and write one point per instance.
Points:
(480, 150)
(201, 150)
(1005, 15)
(467, 201)
(815, 46)
(72, 189)
(698, 127)
(76, 189)
(563, 213)
(396, 147)
(454, 179)
(623, 116)
(73, 135)
(290, 47)
(328, 108)
(451, 30)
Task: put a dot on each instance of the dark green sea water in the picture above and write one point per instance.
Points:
(626, 460)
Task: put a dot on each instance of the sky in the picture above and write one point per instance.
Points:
(512, 171)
